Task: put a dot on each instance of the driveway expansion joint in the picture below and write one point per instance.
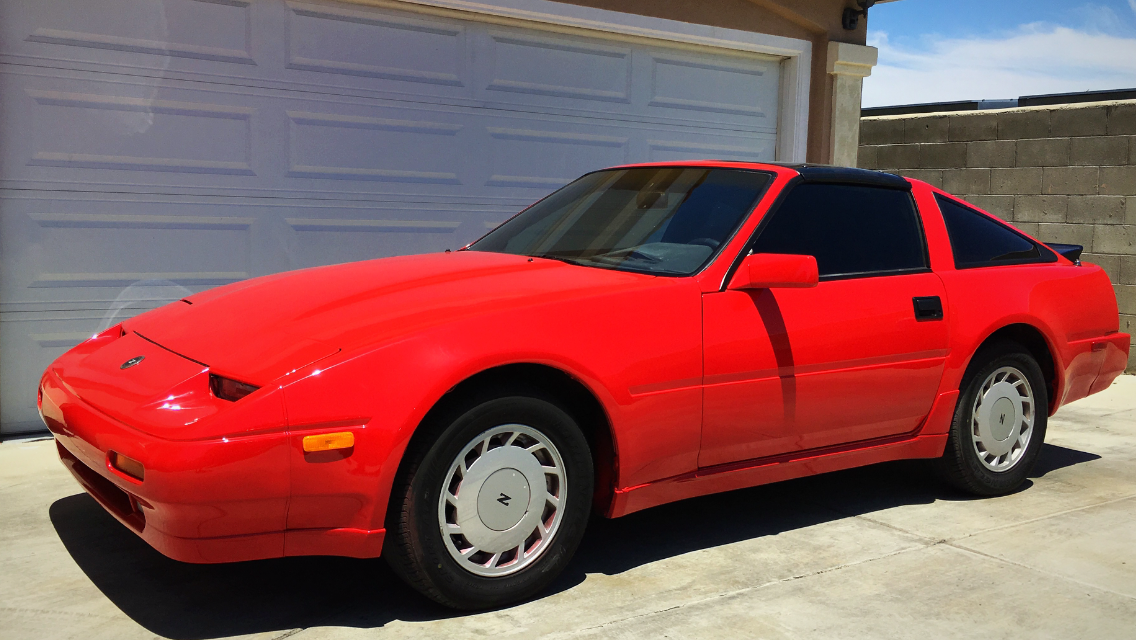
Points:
(1048, 574)
(738, 592)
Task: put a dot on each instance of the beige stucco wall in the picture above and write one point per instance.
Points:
(1062, 174)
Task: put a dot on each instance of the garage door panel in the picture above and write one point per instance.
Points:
(82, 128)
(365, 238)
(103, 135)
(748, 89)
(332, 146)
(679, 146)
(194, 32)
(81, 251)
(120, 254)
(101, 131)
(85, 250)
(330, 45)
(372, 43)
(316, 233)
(158, 135)
(370, 51)
(558, 68)
(545, 156)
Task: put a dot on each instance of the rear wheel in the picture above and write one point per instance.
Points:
(999, 422)
(490, 510)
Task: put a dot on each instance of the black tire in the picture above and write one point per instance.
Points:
(414, 547)
(960, 464)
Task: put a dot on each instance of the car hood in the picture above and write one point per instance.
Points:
(260, 329)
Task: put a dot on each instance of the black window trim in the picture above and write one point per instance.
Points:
(798, 180)
(858, 275)
(1045, 254)
(713, 256)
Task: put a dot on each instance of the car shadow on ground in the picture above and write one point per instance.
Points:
(189, 602)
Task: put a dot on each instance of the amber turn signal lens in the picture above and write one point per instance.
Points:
(329, 441)
(128, 466)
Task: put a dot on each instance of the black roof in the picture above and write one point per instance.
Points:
(849, 175)
(826, 173)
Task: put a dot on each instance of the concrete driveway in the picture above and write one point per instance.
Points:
(880, 552)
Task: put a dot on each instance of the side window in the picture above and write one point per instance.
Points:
(978, 241)
(849, 229)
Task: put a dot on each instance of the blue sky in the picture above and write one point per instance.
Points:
(940, 50)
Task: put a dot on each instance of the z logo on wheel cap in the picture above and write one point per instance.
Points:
(131, 362)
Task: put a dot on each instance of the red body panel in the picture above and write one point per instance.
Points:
(795, 369)
(1074, 309)
(211, 500)
(705, 389)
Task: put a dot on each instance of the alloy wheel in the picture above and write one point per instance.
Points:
(502, 500)
(1002, 419)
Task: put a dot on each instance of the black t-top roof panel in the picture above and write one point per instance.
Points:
(850, 175)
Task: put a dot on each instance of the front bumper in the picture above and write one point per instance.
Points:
(202, 501)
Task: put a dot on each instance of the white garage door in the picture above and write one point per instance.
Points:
(150, 148)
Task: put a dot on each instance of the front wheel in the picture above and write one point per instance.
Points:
(999, 422)
(492, 510)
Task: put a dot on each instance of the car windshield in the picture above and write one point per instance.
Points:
(659, 220)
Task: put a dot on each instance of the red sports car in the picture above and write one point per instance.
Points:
(646, 334)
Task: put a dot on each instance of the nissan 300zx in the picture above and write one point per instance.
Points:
(646, 334)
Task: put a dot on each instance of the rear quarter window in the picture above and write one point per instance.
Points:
(980, 241)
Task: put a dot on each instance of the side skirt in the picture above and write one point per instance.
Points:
(928, 441)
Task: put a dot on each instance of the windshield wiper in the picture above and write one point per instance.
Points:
(620, 266)
(553, 256)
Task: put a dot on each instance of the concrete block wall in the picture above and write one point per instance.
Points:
(1062, 173)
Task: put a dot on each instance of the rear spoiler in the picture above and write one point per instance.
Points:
(1070, 251)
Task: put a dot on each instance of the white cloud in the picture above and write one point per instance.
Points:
(1096, 18)
(1132, 3)
(1033, 60)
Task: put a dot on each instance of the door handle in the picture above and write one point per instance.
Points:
(927, 308)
